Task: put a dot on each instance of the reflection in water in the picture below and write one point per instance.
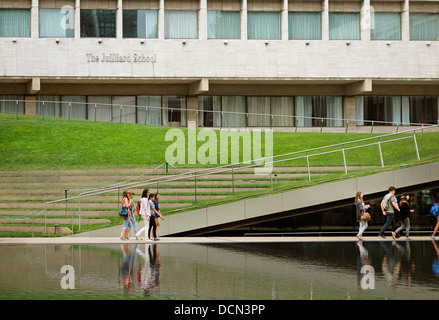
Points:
(148, 274)
(265, 271)
(148, 271)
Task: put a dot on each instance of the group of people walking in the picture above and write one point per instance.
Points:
(388, 206)
(147, 209)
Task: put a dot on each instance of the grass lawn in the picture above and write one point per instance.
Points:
(34, 143)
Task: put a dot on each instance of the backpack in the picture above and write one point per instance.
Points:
(386, 202)
(138, 207)
(434, 209)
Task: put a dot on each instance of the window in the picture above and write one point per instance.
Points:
(10, 104)
(263, 25)
(56, 23)
(223, 25)
(396, 110)
(174, 111)
(385, 26)
(344, 26)
(233, 108)
(319, 111)
(98, 23)
(14, 23)
(424, 109)
(48, 106)
(140, 24)
(181, 24)
(304, 25)
(209, 114)
(99, 108)
(124, 109)
(74, 107)
(149, 111)
(424, 26)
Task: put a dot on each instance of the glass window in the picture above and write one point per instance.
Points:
(233, 114)
(344, 26)
(124, 109)
(424, 110)
(181, 24)
(424, 26)
(98, 23)
(174, 111)
(11, 104)
(259, 111)
(14, 23)
(56, 23)
(149, 110)
(282, 109)
(315, 111)
(263, 25)
(304, 25)
(48, 106)
(223, 25)
(99, 108)
(140, 24)
(382, 111)
(74, 107)
(209, 114)
(385, 26)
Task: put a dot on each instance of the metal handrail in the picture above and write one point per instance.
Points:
(295, 117)
(224, 168)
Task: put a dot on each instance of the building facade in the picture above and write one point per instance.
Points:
(347, 66)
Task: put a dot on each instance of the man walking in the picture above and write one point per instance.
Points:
(388, 206)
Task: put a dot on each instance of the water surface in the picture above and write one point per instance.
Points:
(241, 271)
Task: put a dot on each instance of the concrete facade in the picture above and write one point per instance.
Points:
(33, 66)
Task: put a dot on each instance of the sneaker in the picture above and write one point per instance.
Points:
(382, 236)
(393, 235)
(432, 238)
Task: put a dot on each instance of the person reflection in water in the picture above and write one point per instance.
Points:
(435, 264)
(390, 271)
(364, 260)
(149, 273)
(405, 265)
(127, 268)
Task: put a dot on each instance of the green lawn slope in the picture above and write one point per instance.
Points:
(36, 143)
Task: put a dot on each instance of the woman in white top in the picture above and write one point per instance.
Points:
(145, 214)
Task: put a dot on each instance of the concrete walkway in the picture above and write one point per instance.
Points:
(200, 240)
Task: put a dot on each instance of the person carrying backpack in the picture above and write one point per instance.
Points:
(434, 211)
(388, 206)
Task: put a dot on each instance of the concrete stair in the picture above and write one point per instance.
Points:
(23, 194)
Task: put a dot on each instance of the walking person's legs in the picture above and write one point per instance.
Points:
(389, 220)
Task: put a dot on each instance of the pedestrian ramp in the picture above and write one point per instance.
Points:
(289, 203)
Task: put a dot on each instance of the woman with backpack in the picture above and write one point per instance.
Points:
(436, 202)
(126, 203)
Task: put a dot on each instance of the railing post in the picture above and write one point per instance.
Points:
(381, 154)
(195, 181)
(233, 183)
(45, 215)
(416, 145)
(33, 218)
(344, 161)
(307, 165)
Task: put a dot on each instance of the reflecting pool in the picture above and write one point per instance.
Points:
(241, 271)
